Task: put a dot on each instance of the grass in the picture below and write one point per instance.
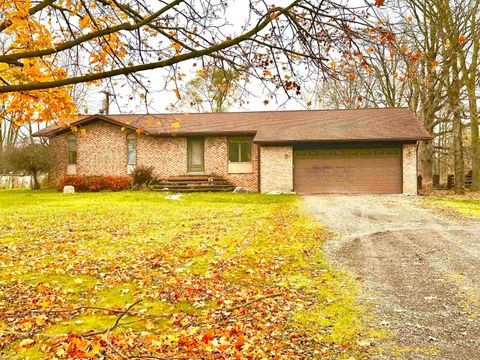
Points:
(247, 268)
(465, 206)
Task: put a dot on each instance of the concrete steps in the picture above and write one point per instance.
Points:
(194, 183)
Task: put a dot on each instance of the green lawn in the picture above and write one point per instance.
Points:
(241, 275)
(465, 206)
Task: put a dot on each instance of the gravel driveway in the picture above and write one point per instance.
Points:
(420, 268)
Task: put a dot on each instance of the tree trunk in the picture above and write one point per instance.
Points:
(455, 106)
(475, 141)
(475, 156)
(426, 164)
(426, 147)
(36, 184)
(458, 155)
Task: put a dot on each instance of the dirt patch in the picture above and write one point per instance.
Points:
(420, 268)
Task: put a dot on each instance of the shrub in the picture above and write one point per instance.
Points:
(142, 175)
(96, 183)
(118, 183)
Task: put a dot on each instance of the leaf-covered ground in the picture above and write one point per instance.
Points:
(134, 275)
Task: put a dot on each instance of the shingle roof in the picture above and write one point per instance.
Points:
(383, 124)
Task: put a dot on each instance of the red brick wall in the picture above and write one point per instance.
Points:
(409, 163)
(103, 151)
(277, 168)
(168, 156)
(216, 162)
(58, 150)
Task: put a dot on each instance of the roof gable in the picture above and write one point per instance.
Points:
(81, 121)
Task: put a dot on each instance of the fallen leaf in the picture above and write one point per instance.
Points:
(26, 342)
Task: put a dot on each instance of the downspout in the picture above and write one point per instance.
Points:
(416, 167)
(259, 162)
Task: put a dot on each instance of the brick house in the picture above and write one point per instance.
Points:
(317, 151)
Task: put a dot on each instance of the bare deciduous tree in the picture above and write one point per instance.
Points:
(214, 89)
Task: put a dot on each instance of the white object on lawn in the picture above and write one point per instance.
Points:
(68, 189)
(174, 197)
(239, 190)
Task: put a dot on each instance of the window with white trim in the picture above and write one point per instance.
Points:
(132, 149)
(239, 149)
(72, 149)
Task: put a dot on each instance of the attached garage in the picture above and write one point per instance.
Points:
(348, 170)
(367, 151)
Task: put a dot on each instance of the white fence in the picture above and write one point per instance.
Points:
(21, 181)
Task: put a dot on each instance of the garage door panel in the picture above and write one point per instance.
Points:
(362, 171)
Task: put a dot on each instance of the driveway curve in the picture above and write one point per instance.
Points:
(420, 267)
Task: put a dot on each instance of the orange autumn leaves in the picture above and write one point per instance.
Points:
(25, 33)
(36, 105)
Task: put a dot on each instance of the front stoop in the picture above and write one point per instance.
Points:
(193, 183)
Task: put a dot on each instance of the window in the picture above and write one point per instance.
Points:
(132, 149)
(72, 150)
(240, 149)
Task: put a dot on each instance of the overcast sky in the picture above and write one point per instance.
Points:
(160, 99)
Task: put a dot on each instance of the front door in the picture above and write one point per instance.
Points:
(195, 155)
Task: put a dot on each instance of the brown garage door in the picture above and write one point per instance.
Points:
(348, 171)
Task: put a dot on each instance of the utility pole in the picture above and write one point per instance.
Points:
(106, 109)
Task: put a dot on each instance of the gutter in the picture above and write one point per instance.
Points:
(310, 141)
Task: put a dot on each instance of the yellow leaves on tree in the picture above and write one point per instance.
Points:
(351, 76)
(435, 64)
(37, 105)
(177, 93)
(84, 22)
(25, 33)
(107, 51)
